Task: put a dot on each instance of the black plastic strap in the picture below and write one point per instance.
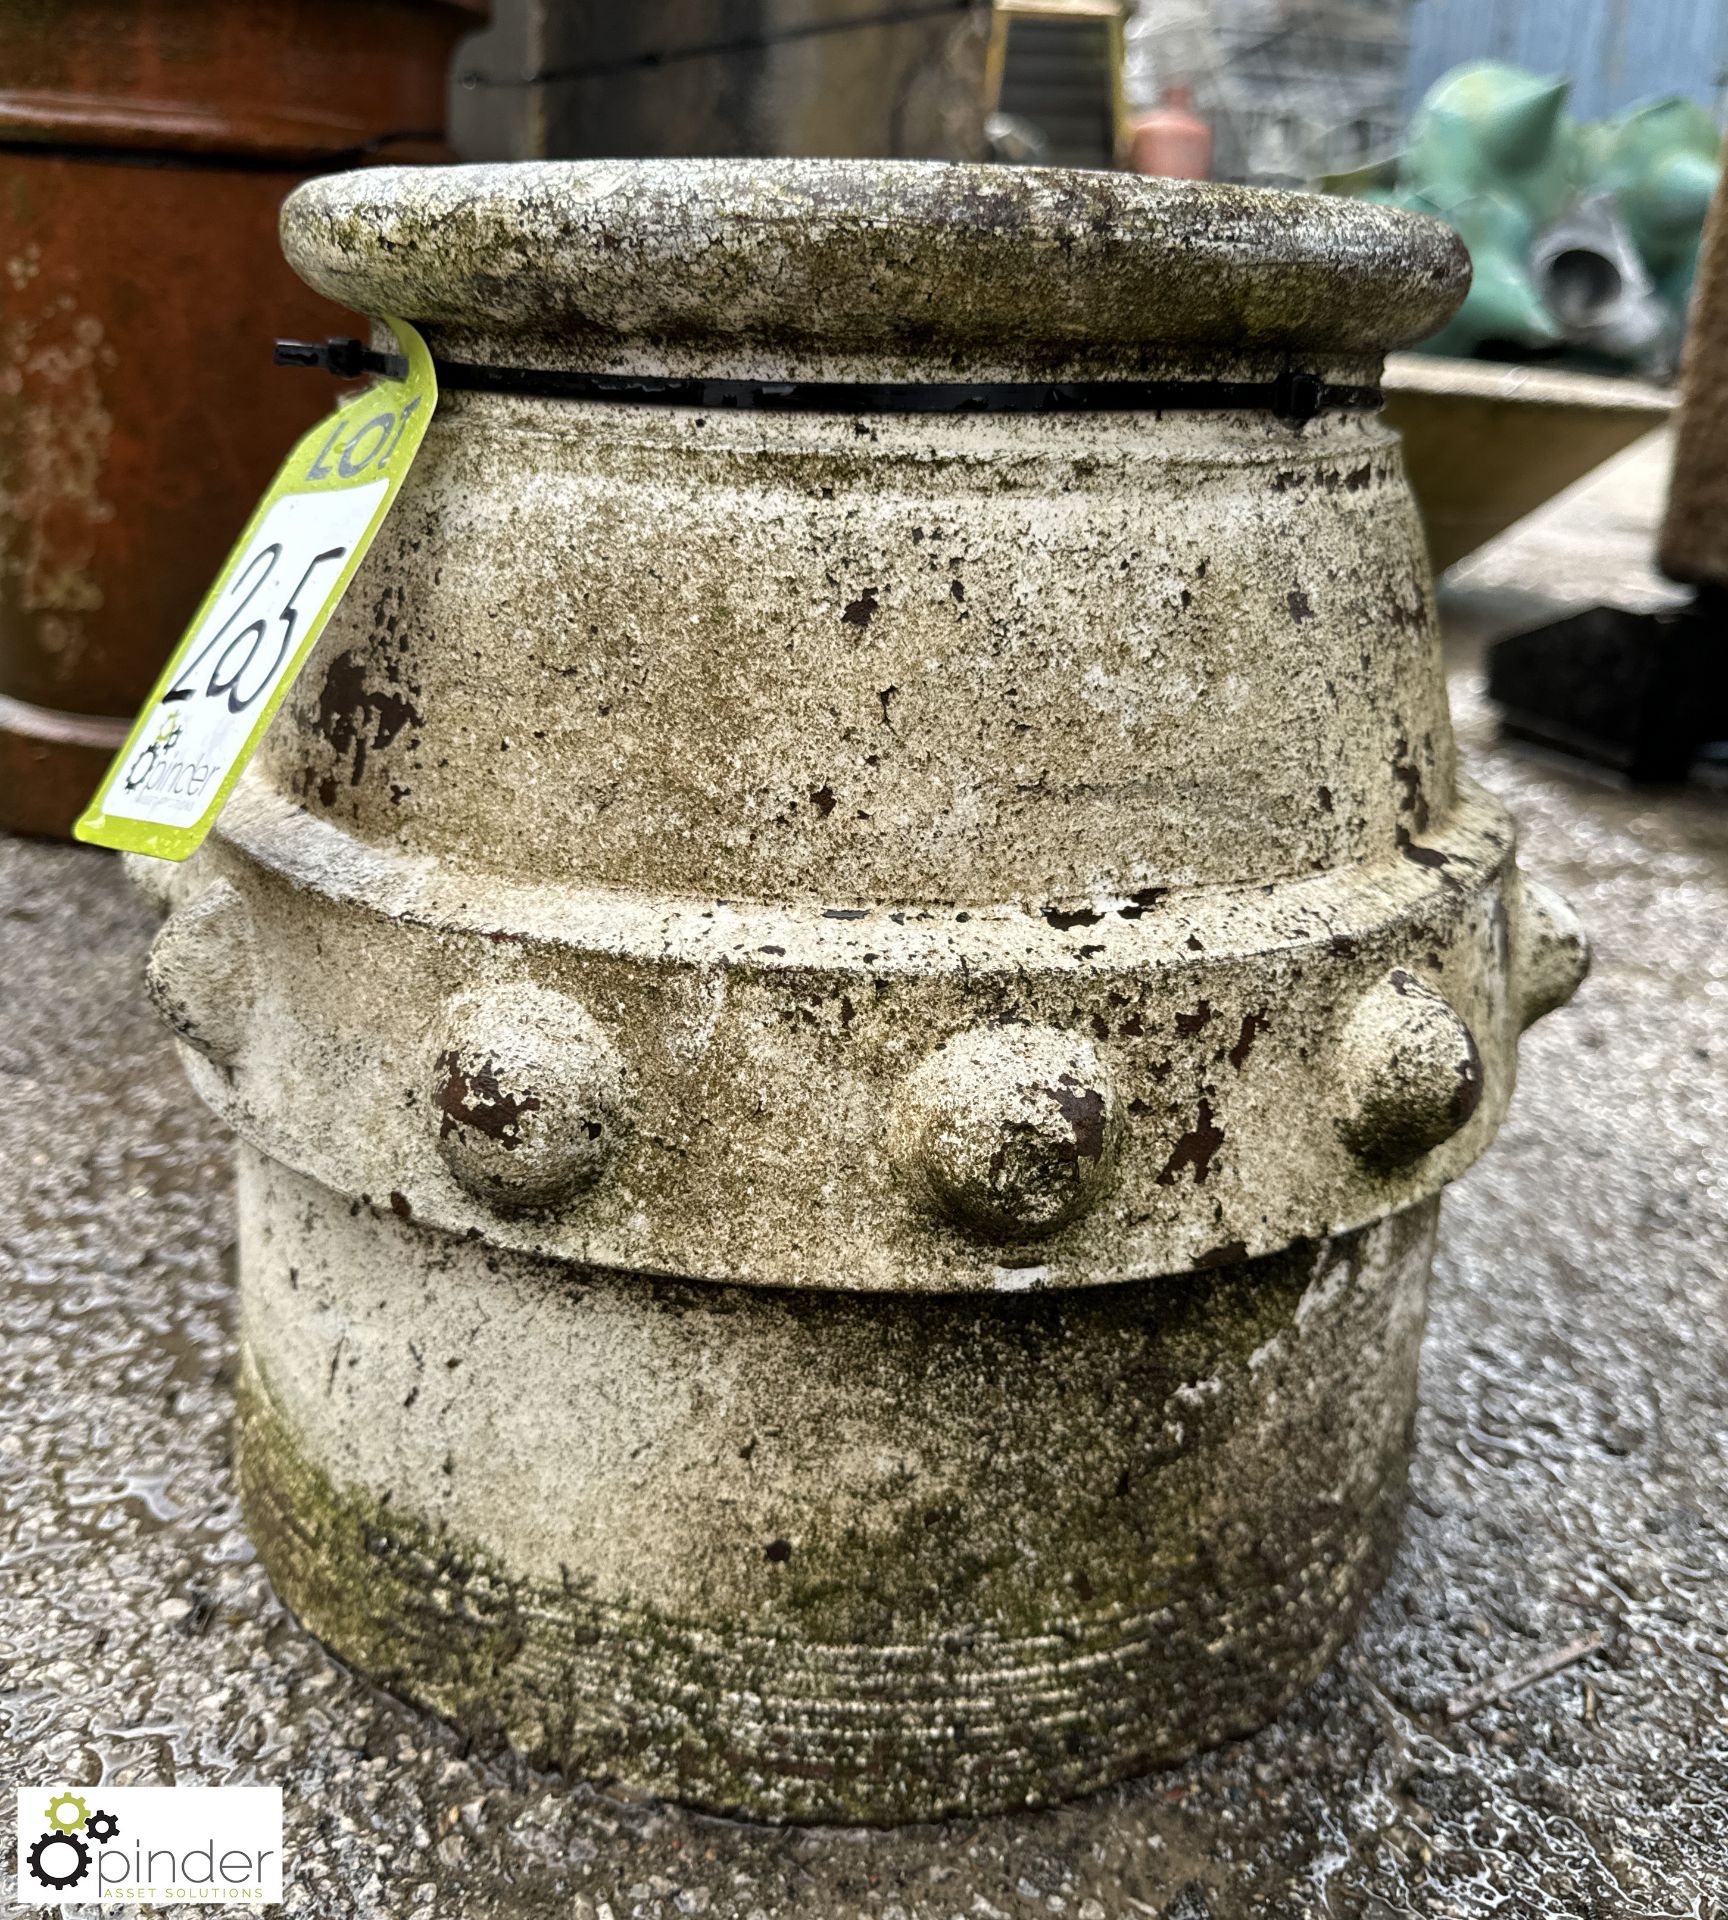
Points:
(346, 359)
(1294, 395)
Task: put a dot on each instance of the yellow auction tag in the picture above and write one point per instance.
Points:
(227, 677)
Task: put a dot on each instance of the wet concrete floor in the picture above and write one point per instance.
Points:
(1571, 1477)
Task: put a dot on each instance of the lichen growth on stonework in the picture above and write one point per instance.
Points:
(1154, 1584)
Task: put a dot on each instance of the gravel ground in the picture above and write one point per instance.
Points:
(1571, 1476)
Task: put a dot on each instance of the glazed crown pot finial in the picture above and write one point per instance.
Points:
(867, 1004)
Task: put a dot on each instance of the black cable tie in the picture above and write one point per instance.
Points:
(1298, 396)
(1295, 397)
(346, 359)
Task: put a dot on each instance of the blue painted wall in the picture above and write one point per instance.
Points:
(1616, 51)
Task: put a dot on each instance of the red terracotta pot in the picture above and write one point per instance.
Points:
(145, 147)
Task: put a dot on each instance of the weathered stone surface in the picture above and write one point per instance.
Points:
(878, 270)
(1567, 1477)
(768, 1550)
(202, 975)
(1012, 1128)
(1054, 661)
(1411, 1070)
(1555, 956)
(771, 1045)
(822, 957)
(526, 1096)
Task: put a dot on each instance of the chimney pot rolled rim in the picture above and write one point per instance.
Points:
(810, 269)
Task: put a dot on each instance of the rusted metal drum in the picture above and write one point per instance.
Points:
(145, 146)
(851, 977)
